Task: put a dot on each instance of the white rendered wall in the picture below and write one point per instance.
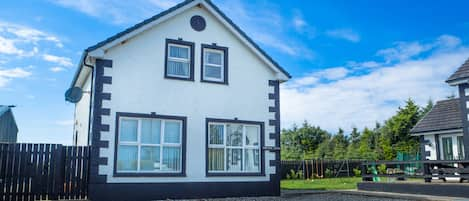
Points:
(82, 109)
(431, 147)
(139, 86)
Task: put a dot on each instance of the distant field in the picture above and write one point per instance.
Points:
(322, 184)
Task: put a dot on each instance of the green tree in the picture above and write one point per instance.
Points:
(340, 143)
(353, 147)
(301, 143)
(368, 144)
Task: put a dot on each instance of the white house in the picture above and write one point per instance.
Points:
(443, 131)
(181, 105)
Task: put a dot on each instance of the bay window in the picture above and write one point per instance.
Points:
(149, 144)
(234, 147)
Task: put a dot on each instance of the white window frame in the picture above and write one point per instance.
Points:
(243, 147)
(139, 144)
(177, 59)
(221, 65)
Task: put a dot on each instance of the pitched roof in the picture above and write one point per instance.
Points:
(445, 115)
(461, 73)
(3, 109)
(166, 12)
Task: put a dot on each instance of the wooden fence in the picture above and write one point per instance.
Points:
(43, 172)
(320, 168)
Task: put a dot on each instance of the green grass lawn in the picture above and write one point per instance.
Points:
(322, 184)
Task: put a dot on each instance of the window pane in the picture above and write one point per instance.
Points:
(251, 160)
(150, 158)
(447, 148)
(172, 132)
(213, 57)
(127, 158)
(171, 159)
(128, 130)
(234, 135)
(460, 147)
(151, 131)
(252, 135)
(233, 159)
(178, 68)
(216, 159)
(212, 72)
(179, 52)
(216, 134)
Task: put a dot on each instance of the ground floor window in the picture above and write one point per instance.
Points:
(234, 147)
(447, 148)
(460, 147)
(149, 145)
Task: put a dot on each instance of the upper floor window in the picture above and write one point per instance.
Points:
(179, 59)
(214, 64)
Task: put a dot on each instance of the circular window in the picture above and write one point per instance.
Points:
(198, 23)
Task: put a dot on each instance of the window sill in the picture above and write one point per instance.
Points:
(215, 82)
(234, 174)
(148, 174)
(178, 78)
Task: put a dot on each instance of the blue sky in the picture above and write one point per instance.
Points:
(353, 62)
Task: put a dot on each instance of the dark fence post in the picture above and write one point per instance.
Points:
(426, 172)
(364, 169)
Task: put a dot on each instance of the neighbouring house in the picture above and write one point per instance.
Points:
(8, 127)
(182, 105)
(443, 131)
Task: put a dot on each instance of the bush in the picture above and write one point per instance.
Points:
(295, 175)
(357, 172)
(382, 169)
(328, 173)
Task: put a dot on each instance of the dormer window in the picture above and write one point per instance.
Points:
(179, 60)
(214, 64)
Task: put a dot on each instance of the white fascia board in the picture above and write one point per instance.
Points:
(458, 82)
(452, 131)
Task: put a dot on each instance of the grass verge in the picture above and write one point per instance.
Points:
(321, 184)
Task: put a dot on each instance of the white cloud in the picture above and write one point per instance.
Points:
(6, 75)
(406, 50)
(23, 41)
(117, 11)
(64, 61)
(327, 75)
(346, 34)
(264, 24)
(362, 99)
(56, 69)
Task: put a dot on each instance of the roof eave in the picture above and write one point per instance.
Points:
(457, 81)
(439, 131)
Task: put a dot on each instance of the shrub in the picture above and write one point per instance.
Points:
(295, 175)
(357, 172)
(328, 173)
(382, 169)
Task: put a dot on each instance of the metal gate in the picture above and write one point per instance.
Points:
(43, 172)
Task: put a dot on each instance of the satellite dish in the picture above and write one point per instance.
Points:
(73, 94)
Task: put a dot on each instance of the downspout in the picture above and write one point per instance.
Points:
(91, 94)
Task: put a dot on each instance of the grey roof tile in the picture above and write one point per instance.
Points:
(461, 73)
(445, 115)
